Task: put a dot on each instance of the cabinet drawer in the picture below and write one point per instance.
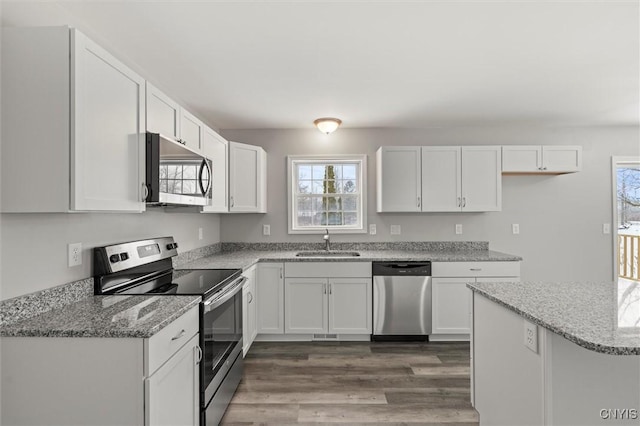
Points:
(161, 346)
(475, 269)
(327, 269)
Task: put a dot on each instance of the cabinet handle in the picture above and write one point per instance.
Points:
(459, 202)
(250, 297)
(199, 349)
(324, 288)
(231, 201)
(330, 288)
(464, 201)
(280, 273)
(475, 269)
(544, 168)
(179, 335)
(145, 192)
(418, 201)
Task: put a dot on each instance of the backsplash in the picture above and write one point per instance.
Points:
(400, 245)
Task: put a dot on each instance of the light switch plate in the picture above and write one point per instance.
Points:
(395, 230)
(200, 234)
(606, 228)
(515, 228)
(266, 229)
(372, 229)
(458, 229)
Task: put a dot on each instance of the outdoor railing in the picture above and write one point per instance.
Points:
(629, 262)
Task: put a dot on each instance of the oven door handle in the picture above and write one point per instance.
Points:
(227, 294)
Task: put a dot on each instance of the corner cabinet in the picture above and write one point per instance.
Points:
(74, 117)
(151, 381)
(537, 159)
(328, 298)
(439, 179)
(247, 178)
(451, 299)
(270, 291)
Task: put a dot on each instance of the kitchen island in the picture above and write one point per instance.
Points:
(556, 353)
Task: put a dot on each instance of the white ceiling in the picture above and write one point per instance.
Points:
(281, 64)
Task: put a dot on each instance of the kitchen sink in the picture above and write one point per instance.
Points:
(327, 253)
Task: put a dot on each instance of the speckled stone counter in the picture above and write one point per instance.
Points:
(602, 317)
(105, 316)
(243, 259)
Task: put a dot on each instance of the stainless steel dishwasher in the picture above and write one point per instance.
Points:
(401, 300)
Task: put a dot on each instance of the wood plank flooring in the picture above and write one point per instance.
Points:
(354, 383)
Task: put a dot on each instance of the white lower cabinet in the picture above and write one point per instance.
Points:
(172, 393)
(270, 294)
(451, 299)
(328, 298)
(249, 310)
(104, 381)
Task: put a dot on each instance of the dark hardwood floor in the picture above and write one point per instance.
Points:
(354, 383)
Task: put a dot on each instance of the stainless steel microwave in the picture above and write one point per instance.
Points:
(176, 174)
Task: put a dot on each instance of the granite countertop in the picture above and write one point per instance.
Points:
(243, 259)
(602, 317)
(105, 316)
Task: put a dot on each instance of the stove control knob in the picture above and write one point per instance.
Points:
(114, 258)
(175, 245)
(124, 256)
(169, 246)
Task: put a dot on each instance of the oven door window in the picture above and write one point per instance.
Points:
(222, 331)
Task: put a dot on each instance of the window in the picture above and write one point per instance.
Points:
(180, 177)
(327, 193)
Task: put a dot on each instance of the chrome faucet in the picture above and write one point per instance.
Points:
(327, 242)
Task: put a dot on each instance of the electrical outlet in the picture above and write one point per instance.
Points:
(396, 230)
(515, 228)
(372, 229)
(266, 229)
(531, 336)
(200, 234)
(74, 254)
(606, 228)
(458, 229)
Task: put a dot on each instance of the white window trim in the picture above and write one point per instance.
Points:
(293, 159)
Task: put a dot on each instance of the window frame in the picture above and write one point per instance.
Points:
(292, 180)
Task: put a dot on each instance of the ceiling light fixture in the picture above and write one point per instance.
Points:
(327, 124)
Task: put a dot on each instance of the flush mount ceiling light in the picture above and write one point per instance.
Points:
(327, 124)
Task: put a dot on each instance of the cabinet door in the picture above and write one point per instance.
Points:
(441, 185)
(247, 178)
(561, 158)
(215, 148)
(191, 130)
(481, 178)
(398, 179)
(521, 158)
(451, 305)
(172, 394)
(163, 113)
(270, 294)
(107, 140)
(305, 305)
(350, 305)
(249, 309)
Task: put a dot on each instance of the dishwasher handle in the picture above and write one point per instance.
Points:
(401, 268)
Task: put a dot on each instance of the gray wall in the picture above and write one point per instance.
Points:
(34, 246)
(560, 217)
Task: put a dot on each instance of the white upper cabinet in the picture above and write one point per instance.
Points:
(247, 178)
(191, 130)
(439, 179)
(73, 125)
(216, 149)
(398, 179)
(163, 113)
(481, 179)
(537, 159)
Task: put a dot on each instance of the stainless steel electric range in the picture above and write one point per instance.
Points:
(145, 267)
